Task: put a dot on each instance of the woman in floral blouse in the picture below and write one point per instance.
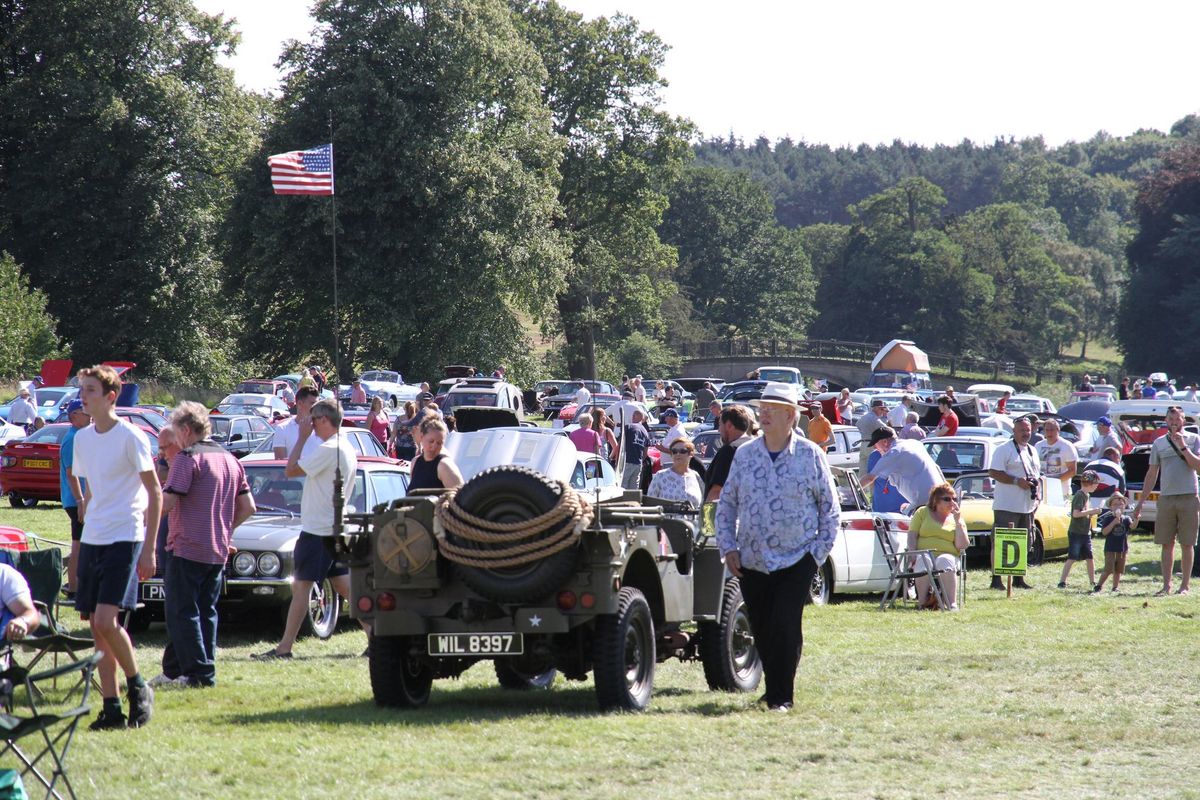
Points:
(678, 482)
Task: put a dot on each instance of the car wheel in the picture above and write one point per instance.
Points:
(394, 401)
(731, 661)
(624, 657)
(820, 592)
(21, 501)
(324, 609)
(512, 677)
(1037, 547)
(399, 679)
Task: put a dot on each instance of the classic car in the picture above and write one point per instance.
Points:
(267, 406)
(50, 401)
(958, 454)
(258, 576)
(389, 385)
(857, 565)
(240, 434)
(744, 391)
(29, 467)
(844, 453)
(361, 439)
(569, 411)
(1028, 404)
(554, 403)
(263, 386)
(1051, 519)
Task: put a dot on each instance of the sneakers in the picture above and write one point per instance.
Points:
(270, 655)
(182, 682)
(109, 721)
(141, 705)
(160, 680)
(1097, 589)
(1062, 584)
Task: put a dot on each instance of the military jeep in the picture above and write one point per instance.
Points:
(534, 565)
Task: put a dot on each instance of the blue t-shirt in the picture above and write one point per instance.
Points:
(884, 496)
(66, 460)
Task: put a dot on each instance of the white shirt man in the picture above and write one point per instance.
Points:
(1015, 468)
(1058, 456)
(582, 395)
(22, 411)
(671, 417)
(898, 413)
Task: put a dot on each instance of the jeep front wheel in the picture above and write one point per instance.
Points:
(624, 658)
(731, 661)
(398, 678)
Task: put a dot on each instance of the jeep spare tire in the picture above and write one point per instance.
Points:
(512, 533)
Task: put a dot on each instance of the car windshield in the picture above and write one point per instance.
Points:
(246, 400)
(456, 399)
(957, 455)
(778, 375)
(239, 409)
(975, 487)
(1023, 405)
(51, 434)
(48, 398)
(220, 428)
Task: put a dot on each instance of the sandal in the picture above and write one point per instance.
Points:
(270, 655)
(1162, 593)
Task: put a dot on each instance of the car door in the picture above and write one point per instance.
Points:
(389, 485)
(239, 437)
(860, 544)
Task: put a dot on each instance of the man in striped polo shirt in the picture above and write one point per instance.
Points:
(206, 496)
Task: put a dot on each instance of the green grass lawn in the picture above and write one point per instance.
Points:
(1050, 694)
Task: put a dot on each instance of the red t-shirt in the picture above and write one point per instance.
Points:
(950, 423)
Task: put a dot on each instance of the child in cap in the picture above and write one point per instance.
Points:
(1079, 534)
(1114, 524)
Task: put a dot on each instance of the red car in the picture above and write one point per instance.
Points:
(29, 467)
(603, 400)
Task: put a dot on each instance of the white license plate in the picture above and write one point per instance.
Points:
(154, 592)
(476, 644)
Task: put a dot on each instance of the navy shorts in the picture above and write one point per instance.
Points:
(1079, 546)
(76, 524)
(314, 560)
(107, 576)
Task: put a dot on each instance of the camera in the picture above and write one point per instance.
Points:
(1034, 490)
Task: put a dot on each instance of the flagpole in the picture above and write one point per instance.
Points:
(339, 499)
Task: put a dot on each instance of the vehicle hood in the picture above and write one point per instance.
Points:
(263, 532)
(553, 456)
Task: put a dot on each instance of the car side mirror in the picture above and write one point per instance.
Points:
(237, 437)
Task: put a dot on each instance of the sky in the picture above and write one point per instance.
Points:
(845, 73)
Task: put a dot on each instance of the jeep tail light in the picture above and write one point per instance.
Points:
(566, 600)
(365, 604)
(386, 601)
(587, 600)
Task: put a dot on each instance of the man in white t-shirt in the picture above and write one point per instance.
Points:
(120, 512)
(671, 417)
(898, 414)
(287, 433)
(313, 561)
(1059, 457)
(582, 395)
(17, 613)
(1015, 468)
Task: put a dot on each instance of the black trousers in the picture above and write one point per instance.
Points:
(775, 604)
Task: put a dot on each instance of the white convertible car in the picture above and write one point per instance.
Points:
(856, 564)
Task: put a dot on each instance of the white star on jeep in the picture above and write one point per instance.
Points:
(535, 621)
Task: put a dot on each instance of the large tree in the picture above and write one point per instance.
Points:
(118, 141)
(622, 153)
(1159, 328)
(446, 173)
(27, 331)
(743, 273)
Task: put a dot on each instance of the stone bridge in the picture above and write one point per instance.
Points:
(842, 363)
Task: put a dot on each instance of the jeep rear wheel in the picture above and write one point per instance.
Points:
(398, 678)
(624, 658)
(511, 677)
(731, 661)
(513, 494)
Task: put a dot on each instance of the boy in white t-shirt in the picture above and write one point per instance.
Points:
(120, 512)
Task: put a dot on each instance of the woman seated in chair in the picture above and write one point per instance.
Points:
(939, 527)
(17, 615)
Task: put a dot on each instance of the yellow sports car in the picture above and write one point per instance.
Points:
(1051, 520)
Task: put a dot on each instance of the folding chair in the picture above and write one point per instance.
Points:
(43, 570)
(902, 573)
(50, 727)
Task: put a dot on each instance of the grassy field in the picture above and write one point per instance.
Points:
(1050, 694)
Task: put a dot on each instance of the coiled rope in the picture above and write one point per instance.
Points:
(528, 545)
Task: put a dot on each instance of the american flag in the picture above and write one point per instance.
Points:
(303, 171)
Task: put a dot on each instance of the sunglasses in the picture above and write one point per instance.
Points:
(679, 451)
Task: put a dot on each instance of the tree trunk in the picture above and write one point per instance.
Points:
(580, 335)
(1083, 348)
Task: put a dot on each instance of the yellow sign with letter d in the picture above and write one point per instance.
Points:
(1010, 554)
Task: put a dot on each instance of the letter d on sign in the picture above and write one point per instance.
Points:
(1010, 555)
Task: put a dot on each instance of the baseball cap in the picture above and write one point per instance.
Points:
(670, 412)
(882, 433)
(424, 397)
(1104, 421)
(73, 406)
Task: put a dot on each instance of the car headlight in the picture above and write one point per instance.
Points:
(268, 564)
(243, 564)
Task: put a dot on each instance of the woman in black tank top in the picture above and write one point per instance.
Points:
(433, 469)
